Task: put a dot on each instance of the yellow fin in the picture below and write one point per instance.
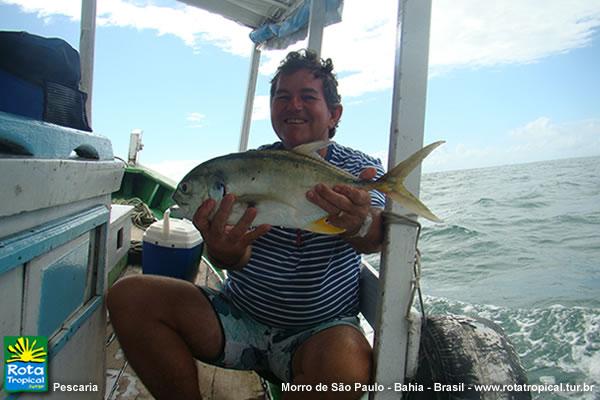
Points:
(322, 226)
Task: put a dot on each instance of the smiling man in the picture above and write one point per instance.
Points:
(305, 105)
(288, 309)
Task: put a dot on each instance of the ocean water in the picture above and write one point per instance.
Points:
(520, 245)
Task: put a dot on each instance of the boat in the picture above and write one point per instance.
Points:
(141, 184)
(67, 215)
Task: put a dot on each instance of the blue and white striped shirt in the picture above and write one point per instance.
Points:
(297, 278)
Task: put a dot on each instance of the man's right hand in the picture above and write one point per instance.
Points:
(229, 246)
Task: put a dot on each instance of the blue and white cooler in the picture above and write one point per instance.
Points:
(172, 247)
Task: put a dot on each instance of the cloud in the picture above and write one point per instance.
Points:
(537, 140)
(362, 48)
(461, 156)
(262, 108)
(464, 33)
(473, 33)
(570, 139)
(195, 27)
(47, 9)
(195, 119)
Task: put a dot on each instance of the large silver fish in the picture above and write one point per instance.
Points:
(276, 182)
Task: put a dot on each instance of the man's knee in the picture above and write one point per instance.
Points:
(124, 293)
(339, 354)
(151, 304)
(355, 362)
(139, 297)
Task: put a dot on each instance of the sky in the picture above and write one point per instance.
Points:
(510, 81)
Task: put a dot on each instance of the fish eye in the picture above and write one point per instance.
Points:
(184, 187)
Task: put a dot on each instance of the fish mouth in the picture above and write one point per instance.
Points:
(179, 212)
(179, 200)
(177, 197)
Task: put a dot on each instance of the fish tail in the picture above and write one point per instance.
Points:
(392, 183)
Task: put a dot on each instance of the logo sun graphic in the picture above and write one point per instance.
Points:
(26, 352)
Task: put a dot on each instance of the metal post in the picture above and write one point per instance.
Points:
(87, 40)
(408, 120)
(135, 146)
(316, 23)
(251, 90)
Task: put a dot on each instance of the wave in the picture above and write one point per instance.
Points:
(556, 344)
(449, 231)
(523, 237)
(486, 202)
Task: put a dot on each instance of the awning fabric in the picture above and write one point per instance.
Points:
(295, 27)
(276, 23)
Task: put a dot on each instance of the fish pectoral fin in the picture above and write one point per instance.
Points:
(323, 226)
(311, 149)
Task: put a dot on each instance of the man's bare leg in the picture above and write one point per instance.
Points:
(162, 325)
(340, 354)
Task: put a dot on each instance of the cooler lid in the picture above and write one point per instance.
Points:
(180, 234)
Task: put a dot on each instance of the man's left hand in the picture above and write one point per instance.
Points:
(347, 206)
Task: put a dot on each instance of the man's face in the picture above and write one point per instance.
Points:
(299, 113)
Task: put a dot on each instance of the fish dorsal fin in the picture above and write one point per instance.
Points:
(322, 226)
(311, 149)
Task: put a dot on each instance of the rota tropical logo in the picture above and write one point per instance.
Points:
(25, 363)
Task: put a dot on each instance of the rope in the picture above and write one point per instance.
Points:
(416, 281)
(142, 216)
(266, 389)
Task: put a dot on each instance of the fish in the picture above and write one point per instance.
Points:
(275, 182)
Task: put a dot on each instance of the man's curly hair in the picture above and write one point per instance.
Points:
(320, 68)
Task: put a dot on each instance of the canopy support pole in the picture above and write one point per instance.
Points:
(406, 137)
(316, 23)
(87, 38)
(251, 90)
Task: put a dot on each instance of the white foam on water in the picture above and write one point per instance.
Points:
(556, 343)
(547, 380)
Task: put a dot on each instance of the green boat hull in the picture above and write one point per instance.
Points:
(149, 186)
